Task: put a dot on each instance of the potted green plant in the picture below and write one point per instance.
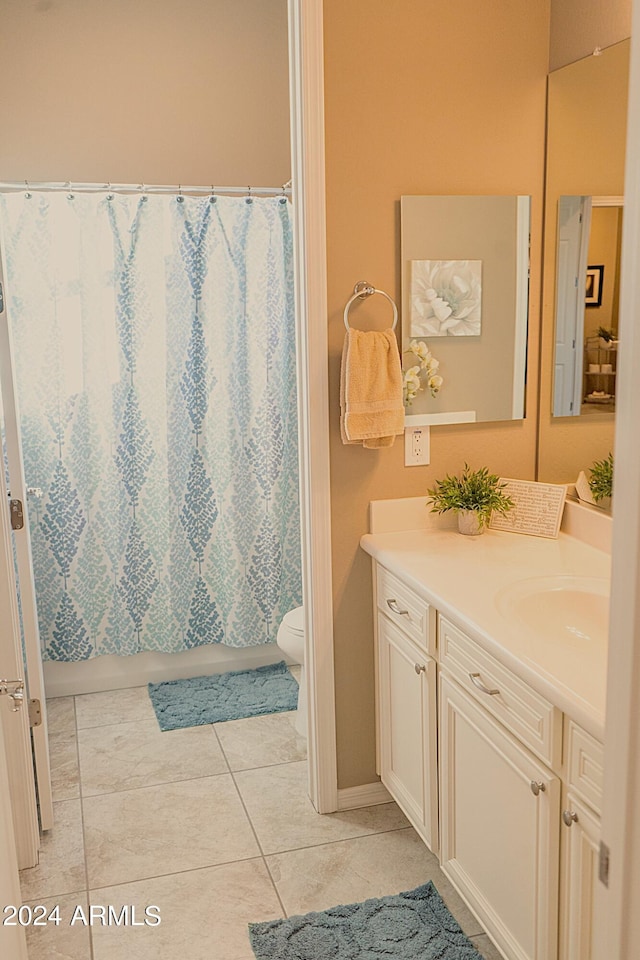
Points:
(601, 480)
(607, 338)
(473, 496)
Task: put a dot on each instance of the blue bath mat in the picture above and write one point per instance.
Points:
(224, 696)
(410, 926)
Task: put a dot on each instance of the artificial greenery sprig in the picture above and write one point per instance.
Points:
(601, 479)
(476, 490)
(606, 334)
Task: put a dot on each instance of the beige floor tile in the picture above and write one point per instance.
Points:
(124, 756)
(488, 950)
(261, 741)
(284, 818)
(61, 868)
(113, 706)
(153, 830)
(65, 777)
(62, 941)
(204, 914)
(61, 717)
(353, 870)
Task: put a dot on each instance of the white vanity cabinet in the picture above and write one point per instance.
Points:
(494, 777)
(407, 720)
(580, 843)
(580, 848)
(499, 814)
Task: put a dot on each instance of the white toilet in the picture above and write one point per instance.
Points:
(290, 639)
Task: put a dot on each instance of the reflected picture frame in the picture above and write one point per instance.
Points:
(593, 288)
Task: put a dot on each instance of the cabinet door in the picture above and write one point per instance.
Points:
(580, 886)
(407, 700)
(499, 826)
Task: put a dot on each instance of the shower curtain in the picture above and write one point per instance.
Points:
(153, 340)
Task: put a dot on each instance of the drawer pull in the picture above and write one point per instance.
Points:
(537, 786)
(477, 682)
(393, 605)
(569, 817)
(419, 668)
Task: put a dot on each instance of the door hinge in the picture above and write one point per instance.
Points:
(571, 405)
(1, 298)
(35, 713)
(17, 514)
(603, 864)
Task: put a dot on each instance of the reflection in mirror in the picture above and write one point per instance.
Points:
(587, 298)
(465, 292)
(586, 134)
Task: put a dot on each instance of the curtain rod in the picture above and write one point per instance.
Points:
(142, 188)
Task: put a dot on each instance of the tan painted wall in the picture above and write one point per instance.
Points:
(421, 97)
(158, 91)
(579, 26)
(586, 148)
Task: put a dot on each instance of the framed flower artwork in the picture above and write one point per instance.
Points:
(445, 298)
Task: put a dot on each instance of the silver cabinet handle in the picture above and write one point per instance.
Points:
(569, 817)
(419, 668)
(393, 605)
(477, 682)
(537, 786)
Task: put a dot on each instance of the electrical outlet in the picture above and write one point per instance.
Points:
(416, 446)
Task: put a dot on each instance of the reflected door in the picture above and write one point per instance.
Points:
(574, 215)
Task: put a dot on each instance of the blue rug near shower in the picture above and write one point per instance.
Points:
(224, 696)
(410, 926)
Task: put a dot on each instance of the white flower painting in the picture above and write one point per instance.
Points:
(446, 298)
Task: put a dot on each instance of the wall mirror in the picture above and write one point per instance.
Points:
(589, 241)
(586, 135)
(465, 292)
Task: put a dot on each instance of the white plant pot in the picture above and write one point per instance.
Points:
(469, 523)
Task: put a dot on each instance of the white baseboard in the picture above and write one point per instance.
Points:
(366, 795)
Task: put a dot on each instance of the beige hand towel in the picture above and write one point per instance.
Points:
(371, 409)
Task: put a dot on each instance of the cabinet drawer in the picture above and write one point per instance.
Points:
(406, 609)
(585, 765)
(533, 720)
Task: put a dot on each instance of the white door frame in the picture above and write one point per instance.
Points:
(306, 75)
(32, 650)
(15, 723)
(618, 926)
(13, 938)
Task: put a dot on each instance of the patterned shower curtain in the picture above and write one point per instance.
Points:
(153, 340)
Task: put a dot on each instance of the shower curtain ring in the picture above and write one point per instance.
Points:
(109, 194)
(27, 192)
(213, 198)
(180, 198)
(249, 197)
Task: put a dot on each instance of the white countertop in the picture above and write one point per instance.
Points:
(462, 576)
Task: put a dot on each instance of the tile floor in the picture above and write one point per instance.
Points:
(211, 824)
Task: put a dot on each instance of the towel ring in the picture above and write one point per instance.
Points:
(361, 291)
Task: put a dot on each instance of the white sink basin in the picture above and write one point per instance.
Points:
(574, 609)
